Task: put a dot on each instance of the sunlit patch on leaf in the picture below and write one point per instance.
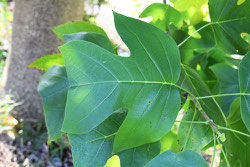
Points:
(239, 2)
(46, 62)
(163, 15)
(113, 161)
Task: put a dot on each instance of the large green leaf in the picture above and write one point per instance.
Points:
(93, 37)
(193, 136)
(187, 158)
(163, 15)
(237, 146)
(244, 82)
(75, 27)
(53, 89)
(229, 20)
(101, 82)
(46, 62)
(95, 147)
(228, 79)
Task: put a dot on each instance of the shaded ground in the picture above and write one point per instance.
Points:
(7, 158)
(15, 155)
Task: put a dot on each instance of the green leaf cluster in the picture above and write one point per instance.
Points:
(127, 108)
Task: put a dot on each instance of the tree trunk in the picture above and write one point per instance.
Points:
(32, 38)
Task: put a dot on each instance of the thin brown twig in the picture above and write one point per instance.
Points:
(210, 121)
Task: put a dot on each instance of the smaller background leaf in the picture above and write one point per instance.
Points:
(53, 89)
(163, 15)
(46, 62)
(75, 27)
(93, 37)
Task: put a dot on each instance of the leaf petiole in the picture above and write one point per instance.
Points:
(236, 131)
(222, 95)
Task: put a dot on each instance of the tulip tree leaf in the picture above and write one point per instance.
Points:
(163, 15)
(229, 20)
(244, 82)
(101, 82)
(53, 89)
(95, 147)
(75, 27)
(187, 158)
(46, 62)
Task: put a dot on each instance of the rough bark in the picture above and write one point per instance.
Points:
(32, 38)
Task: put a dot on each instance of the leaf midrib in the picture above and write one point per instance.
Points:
(139, 82)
